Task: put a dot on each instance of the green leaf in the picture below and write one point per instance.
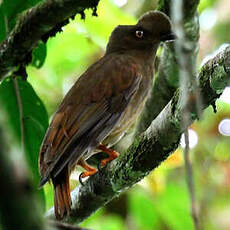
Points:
(35, 119)
(9, 10)
(39, 55)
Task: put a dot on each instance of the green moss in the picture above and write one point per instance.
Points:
(227, 60)
(218, 80)
(175, 100)
(192, 30)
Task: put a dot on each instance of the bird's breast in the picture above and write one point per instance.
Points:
(134, 108)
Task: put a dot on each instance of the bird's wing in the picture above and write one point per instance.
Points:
(88, 113)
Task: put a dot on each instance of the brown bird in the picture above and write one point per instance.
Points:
(101, 106)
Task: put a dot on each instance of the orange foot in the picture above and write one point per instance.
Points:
(112, 154)
(89, 170)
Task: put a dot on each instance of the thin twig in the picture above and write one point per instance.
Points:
(189, 93)
(187, 65)
(190, 181)
(20, 108)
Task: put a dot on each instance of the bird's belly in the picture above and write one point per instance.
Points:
(127, 121)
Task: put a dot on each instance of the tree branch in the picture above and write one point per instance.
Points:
(152, 147)
(40, 22)
(20, 108)
(167, 79)
(185, 50)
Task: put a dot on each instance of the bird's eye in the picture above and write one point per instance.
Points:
(139, 33)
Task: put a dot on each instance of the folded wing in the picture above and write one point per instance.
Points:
(88, 113)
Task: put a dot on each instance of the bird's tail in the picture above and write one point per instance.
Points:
(62, 198)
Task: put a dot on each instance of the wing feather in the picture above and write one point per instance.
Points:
(88, 113)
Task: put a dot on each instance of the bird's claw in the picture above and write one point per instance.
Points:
(99, 168)
(80, 179)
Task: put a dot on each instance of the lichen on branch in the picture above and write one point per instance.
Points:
(38, 23)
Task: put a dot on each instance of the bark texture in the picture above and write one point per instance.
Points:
(38, 23)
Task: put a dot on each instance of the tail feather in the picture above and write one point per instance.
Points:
(62, 198)
(43, 181)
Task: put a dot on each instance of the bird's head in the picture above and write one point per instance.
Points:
(151, 29)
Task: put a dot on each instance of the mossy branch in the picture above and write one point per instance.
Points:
(38, 23)
(150, 148)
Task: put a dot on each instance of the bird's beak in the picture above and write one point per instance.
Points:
(168, 37)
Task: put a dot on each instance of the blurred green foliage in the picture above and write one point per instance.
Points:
(221, 32)
(204, 4)
(18, 95)
(10, 12)
(160, 201)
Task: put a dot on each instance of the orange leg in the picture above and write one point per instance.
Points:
(89, 170)
(112, 154)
